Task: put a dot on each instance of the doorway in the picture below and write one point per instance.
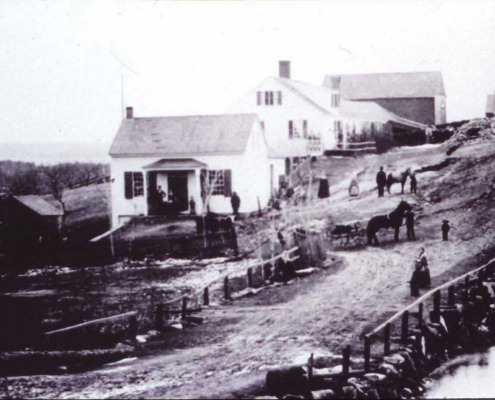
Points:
(177, 184)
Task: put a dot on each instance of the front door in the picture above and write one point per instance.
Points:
(177, 185)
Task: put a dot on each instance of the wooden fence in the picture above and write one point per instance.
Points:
(446, 290)
(185, 305)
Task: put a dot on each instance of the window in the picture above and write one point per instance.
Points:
(298, 129)
(335, 100)
(220, 182)
(269, 98)
(262, 125)
(133, 184)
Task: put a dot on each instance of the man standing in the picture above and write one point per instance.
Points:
(381, 181)
(410, 225)
(235, 201)
(445, 230)
(414, 183)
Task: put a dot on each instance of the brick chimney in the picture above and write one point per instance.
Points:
(129, 112)
(284, 69)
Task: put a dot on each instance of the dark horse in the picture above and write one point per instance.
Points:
(402, 178)
(392, 220)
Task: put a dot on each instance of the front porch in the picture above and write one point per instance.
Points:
(171, 185)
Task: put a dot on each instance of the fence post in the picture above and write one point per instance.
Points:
(386, 340)
(367, 353)
(346, 361)
(132, 327)
(436, 306)
(206, 296)
(159, 317)
(226, 293)
(405, 326)
(310, 370)
(233, 236)
(250, 277)
(451, 301)
(184, 308)
(420, 315)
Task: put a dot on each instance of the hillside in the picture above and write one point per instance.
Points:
(229, 354)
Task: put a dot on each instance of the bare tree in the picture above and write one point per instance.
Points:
(54, 178)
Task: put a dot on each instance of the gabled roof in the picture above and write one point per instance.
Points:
(176, 164)
(490, 104)
(40, 205)
(183, 136)
(389, 85)
(318, 96)
(373, 112)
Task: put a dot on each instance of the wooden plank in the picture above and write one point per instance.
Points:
(405, 326)
(94, 322)
(346, 362)
(451, 295)
(386, 340)
(367, 353)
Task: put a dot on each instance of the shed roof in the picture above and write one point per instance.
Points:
(389, 85)
(320, 97)
(40, 205)
(490, 104)
(185, 135)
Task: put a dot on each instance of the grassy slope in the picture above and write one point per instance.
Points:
(87, 211)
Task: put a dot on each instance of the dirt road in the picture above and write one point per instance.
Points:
(319, 314)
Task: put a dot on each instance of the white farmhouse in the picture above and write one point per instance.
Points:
(299, 119)
(204, 157)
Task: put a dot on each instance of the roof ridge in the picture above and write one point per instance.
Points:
(195, 116)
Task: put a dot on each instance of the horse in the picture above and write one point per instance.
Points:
(392, 220)
(402, 178)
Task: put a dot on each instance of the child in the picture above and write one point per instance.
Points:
(445, 230)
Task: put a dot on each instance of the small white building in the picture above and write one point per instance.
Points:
(205, 157)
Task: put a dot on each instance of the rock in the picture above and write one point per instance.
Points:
(284, 381)
(375, 377)
(153, 333)
(323, 394)
(142, 338)
(395, 359)
(176, 326)
(389, 370)
(123, 346)
(349, 392)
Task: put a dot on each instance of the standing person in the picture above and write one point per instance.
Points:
(381, 181)
(235, 201)
(192, 206)
(445, 230)
(414, 183)
(162, 200)
(410, 225)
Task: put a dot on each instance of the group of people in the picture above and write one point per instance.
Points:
(381, 181)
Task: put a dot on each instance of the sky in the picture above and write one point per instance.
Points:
(64, 63)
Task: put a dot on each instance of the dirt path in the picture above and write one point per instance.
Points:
(319, 314)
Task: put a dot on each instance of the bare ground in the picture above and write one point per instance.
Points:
(229, 354)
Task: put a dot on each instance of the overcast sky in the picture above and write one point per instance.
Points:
(61, 71)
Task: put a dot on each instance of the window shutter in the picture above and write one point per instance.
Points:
(291, 130)
(305, 128)
(259, 98)
(271, 98)
(279, 94)
(128, 185)
(267, 98)
(227, 182)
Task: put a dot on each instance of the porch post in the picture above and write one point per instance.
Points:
(197, 195)
(145, 191)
